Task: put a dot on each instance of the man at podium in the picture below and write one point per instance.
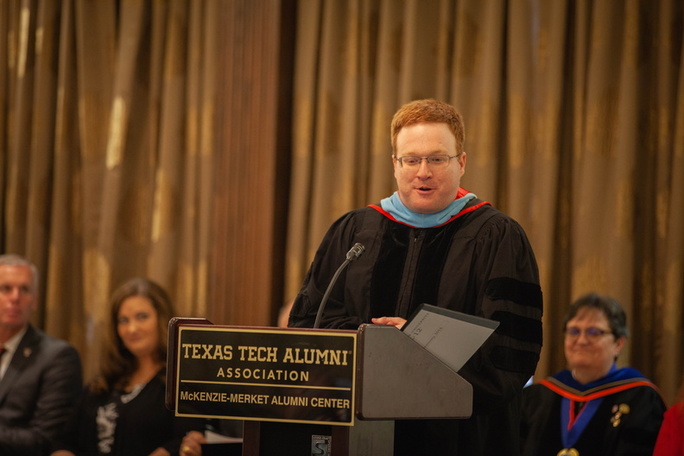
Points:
(434, 242)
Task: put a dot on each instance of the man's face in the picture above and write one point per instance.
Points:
(427, 188)
(17, 297)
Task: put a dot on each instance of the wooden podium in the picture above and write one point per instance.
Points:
(372, 377)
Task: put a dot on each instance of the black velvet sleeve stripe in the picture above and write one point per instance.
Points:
(515, 360)
(518, 327)
(525, 294)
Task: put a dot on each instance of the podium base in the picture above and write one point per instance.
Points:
(365, 438)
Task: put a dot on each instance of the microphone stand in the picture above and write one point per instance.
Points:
(352, 254)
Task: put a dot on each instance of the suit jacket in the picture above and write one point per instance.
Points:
(41, 385)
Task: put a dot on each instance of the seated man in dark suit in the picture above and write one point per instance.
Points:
(40, 376)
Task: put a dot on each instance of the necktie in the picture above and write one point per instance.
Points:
(2, 353)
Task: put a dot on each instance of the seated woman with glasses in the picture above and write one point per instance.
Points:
(593, 407)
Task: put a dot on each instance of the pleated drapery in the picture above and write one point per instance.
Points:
(209, 144)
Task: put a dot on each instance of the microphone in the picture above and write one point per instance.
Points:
(353, 253)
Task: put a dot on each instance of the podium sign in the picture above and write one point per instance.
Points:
(309, 391)
(266, 374)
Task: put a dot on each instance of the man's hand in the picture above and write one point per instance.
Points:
(190, 446)
(397, 322)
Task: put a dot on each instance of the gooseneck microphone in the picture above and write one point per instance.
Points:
(353, 253)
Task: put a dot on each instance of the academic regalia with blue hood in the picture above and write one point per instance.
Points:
(617, 415)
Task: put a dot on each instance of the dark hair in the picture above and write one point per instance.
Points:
(615, 314)
(428, 111)
(118, 363)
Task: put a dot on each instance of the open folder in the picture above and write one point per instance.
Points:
(451, 336)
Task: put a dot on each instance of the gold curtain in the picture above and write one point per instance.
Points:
(107, 166)
(153, 138)
(574, 126)
(146, 138)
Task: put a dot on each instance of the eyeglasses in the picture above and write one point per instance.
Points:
(591, 333)
(411, 161)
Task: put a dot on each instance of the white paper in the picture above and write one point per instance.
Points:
(452, 337)
(213, 437)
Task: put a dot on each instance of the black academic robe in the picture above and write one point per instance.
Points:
(479, 263)
(626, 422)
